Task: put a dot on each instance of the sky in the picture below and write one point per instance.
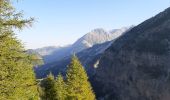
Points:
(62, 22)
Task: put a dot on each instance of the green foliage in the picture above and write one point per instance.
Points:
(41, 92)
(36, 60)
(52, 89)
(17, 79)
(78, 87)
(60, 88)
(48, 85)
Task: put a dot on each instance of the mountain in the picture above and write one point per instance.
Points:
(96, 36)
(136, 66)
(51, 53)
(47, 50)
(98, 40)
(88, 57)
(33, 52)
(57, 54)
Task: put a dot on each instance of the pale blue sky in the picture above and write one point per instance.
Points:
(61, 22)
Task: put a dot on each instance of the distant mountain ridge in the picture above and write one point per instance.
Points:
(89, 55)
(88, 58)
(46, 50)
(96, 36)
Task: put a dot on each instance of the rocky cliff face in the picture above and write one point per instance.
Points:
(137, 65)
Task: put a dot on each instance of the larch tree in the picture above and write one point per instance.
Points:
(78, 86)
(60, 88)
(48, 85)
(17, 79)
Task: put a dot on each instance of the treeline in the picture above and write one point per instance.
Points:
(17, 78)
(74, 87)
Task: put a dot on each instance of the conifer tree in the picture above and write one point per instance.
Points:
(78, 87)
(17, 79)
(48, 85)
(60, 88)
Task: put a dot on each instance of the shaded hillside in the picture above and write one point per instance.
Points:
(136, 66)
(88, 57)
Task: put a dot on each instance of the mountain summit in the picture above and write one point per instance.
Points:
(96, 36)
(98, 40)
